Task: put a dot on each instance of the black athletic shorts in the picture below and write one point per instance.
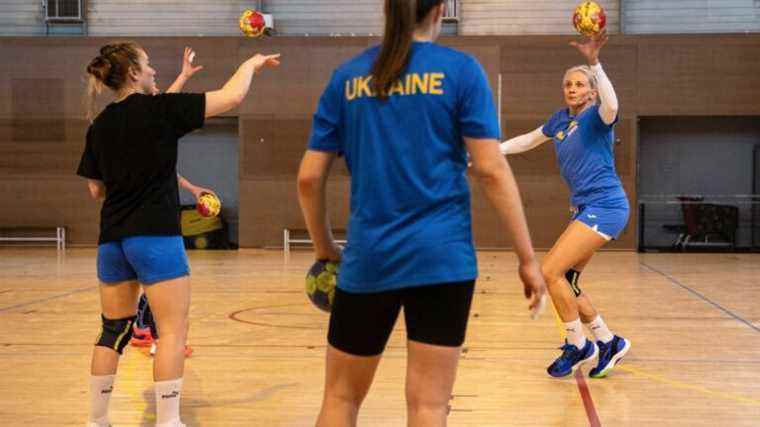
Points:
(361, 323)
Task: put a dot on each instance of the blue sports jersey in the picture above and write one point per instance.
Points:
(584, 146)
(410, 201)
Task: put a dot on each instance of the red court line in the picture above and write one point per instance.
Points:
(588, 402)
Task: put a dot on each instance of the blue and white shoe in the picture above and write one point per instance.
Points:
(571, 358)
(609, 355)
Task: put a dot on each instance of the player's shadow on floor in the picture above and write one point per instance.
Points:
(189, 406)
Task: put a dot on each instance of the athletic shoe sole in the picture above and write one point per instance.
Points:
(594, 355)
(613, 361)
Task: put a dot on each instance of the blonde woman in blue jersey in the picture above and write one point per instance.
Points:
(583, 140)
(404, 115)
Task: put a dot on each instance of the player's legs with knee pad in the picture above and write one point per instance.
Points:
(114, 335)
(612, 348)
(143, 335)
(596, 325)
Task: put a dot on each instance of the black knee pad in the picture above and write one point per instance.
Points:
(116, 333)
(572, 277)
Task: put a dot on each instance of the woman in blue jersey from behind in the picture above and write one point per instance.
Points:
(583, 140)
(405, 114)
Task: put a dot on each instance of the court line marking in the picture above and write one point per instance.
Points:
(235, 316)
(676, 282)
(678, 384)
(26, 304)
(580, 380)
(663, 379)
(588, 402)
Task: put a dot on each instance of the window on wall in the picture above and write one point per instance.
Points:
(452, 10)
(64, 10)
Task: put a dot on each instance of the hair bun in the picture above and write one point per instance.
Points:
(100, 67)
(109, 49)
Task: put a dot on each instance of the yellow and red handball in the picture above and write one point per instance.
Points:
(589, 18)
(252, 23)
(208, 205)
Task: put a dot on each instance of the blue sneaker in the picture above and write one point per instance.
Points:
(609, 355)
(571, 358)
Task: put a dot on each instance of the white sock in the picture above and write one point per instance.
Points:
(574, 333)
(101, 387)
(600, 330)
(167, 402)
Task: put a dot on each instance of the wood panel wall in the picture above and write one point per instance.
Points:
(42, 123)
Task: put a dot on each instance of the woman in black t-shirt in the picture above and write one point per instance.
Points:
(130, 160)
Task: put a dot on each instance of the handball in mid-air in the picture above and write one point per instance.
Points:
(589, 18)
(252, 23)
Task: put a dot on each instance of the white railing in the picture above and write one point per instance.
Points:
(59, 238)
(288, 240)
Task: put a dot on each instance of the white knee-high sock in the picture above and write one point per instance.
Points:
(101, 387)
(168, 395)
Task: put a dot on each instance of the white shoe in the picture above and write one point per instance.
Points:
(153, 349)
(176, 423)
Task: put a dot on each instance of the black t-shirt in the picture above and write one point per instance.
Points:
(132, 147)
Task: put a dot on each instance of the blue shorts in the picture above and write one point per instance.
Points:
(608, 221)
(147, 259)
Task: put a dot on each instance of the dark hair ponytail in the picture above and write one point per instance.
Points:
(401, 18)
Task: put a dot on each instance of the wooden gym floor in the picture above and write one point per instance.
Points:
(694, 320)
